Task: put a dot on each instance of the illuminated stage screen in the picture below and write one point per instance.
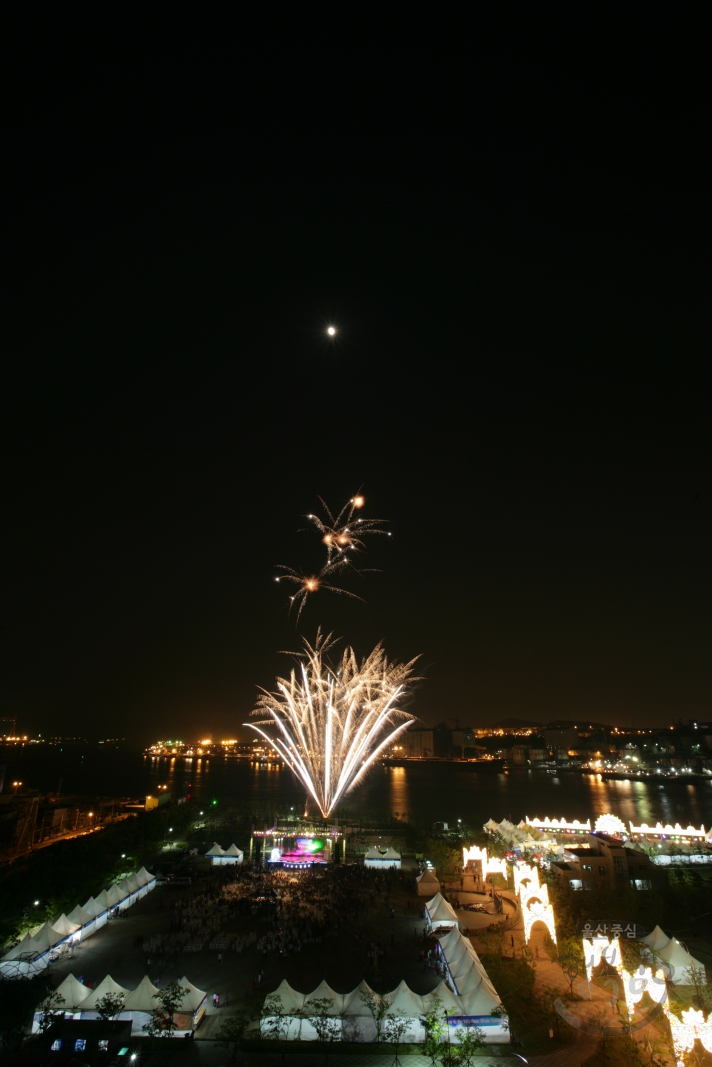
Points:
(302, 852)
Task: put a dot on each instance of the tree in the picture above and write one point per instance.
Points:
(378, 1007)
(328, 1026)
(274, 1024)
(51, 1008)
(471, 1040)
(232, 1032)
(434, 1029)
(162, 1022)
(570, 959)
(395, 1027)
(110, 1005)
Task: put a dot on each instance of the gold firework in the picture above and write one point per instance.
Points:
(330, 723)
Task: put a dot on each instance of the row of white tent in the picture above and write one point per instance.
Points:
(223, 858)
(440, 913)
(681, 963)
(35, 951)
(80, 1002)
(472, 986)
(289, 1015)
(386, 858)
(519, 836)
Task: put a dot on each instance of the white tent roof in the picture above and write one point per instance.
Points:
(195, 996)
(142, 997)
(324, 992)
(428, 876)
(92, 908)
(46, 937)
(114, 895)
(448, 1000)
(442, 913)
(434, 901)
(107, 986)
(481, 1002)
(215, 850)
(678, 956)
(143, 877)
(80, 916)
(124, 888)
(656, 939)
(391, 854)
(233, 850)
(373, 854)
(132, 882)
(404, 1000)
(73, 992)
(27, 945)
(354, 1005)
(103, 902)
(291, 1000)
(64, 927)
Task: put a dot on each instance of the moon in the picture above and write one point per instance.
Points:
(331, 330)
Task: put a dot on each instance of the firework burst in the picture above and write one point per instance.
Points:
(342, 536)
(330, 723)
(307, 584)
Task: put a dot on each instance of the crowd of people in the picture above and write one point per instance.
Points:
(301, 907)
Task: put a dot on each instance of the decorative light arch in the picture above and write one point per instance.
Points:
(684, 1034)
(490, 865)
(610, 824)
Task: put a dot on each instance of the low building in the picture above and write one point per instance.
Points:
(604, 861)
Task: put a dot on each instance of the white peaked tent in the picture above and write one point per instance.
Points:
(196, 997)
(133, 884)
(142, 997)
(234, 854)
(656, 939)
(358, 1018)
(682, 964)
(25, 959)
(291, 1003)
(218, 856)
(440, 913)
(448, 1000)
(113, 894)
(64, 927)
(47, 937)
(103, 902)
(373, 857)
(81, 917)
(427, 884)
(27, 947)
(146, 880)
(140, 1003)
(73, 992)
(125, 891)
(107, 986)
(392, 859)
(334, 1007)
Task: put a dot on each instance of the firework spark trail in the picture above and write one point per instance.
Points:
(333, 722)
(308, 584)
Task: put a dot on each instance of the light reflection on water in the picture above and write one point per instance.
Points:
(427, 792)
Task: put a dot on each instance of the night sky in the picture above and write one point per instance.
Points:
(508, 220)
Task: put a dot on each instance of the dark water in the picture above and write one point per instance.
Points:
(426, 793)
